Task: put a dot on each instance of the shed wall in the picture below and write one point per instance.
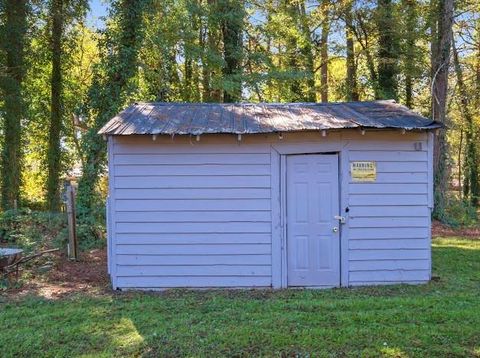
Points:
(389, 220)
(191, 214)
(199, 214)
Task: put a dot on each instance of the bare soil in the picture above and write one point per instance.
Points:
(65, 277)
(441, 230)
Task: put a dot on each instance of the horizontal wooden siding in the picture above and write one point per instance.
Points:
(389, 219)
(191, 216)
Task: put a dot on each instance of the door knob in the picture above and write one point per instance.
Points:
(335, 229)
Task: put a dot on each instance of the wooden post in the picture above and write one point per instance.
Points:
(71, 218)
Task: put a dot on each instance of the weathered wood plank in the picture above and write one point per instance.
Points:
(392, 145)
(192, 158)
(193, 238)
(385, 283)
(389, 265)
(146, 145)
(388, 233)
(389, 222)
(402, 167)
(388, 211)
(386, 275)
(388, 156)
(216, 249)
(197, 281)
(192, 216)
(232, 259)
(185, 227)
(194, 193)
(188, 270)
(191, 170)
(381, 188)
(188, 205)
(388, 200)
(399, 178)
(376, 244)
(392, 254)
(159, 182)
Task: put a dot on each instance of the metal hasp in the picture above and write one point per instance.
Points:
(340, 218)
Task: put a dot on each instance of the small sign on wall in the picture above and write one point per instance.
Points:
(363, 171)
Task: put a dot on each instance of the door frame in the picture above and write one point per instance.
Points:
(279, 154)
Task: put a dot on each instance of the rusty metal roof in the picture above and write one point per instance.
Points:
(244, 118)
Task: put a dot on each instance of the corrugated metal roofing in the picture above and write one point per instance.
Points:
(243, 118)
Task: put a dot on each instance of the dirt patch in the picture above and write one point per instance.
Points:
(439, 229)
(65, 277)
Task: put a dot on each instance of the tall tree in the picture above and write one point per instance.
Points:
(57, 8)
(306, 51)
(11, 80)
(441, 32)
(299, 51)
(109, 93)
(351, 81)
(325, 7)
(410, 16)
(387, 50)
(210, 38)
(471, 186)
(233, 13)
(293, 54)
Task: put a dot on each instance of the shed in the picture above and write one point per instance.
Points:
(269, 195)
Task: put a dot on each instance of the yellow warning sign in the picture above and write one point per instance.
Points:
(363, 171)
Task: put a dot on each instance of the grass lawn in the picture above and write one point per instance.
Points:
(436, 320)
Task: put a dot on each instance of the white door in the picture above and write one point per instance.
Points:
(313, 238)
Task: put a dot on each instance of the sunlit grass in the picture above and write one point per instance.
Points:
(439, 319)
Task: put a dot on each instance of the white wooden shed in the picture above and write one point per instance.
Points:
(269, 195)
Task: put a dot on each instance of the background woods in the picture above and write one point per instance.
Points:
(62, 78)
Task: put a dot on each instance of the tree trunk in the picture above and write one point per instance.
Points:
(411, 20)
(388, 50)
(11, 81)
(459, 164)
(306, 49)
(232, 32)
(206, 75)
(107, 97)
(324, 51)
(471, 179)
(293, 55)
(188, 77)
(442, 16)
(352, 90)
(56, 112)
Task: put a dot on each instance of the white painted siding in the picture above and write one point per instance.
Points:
(201, 214)
(191, 214)
(389, 220)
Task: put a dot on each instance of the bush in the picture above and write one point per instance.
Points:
(91, 231)
(459, 213)
(30, 230)
(36, 230)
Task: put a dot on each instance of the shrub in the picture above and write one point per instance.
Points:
(30, 230)
(459, 213)
(36, 230)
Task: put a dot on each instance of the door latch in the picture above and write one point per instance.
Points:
(335, 229)
(340, 218)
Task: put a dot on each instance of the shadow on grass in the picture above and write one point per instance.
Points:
(437, 319)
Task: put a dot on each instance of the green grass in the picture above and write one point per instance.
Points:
(439, 319)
